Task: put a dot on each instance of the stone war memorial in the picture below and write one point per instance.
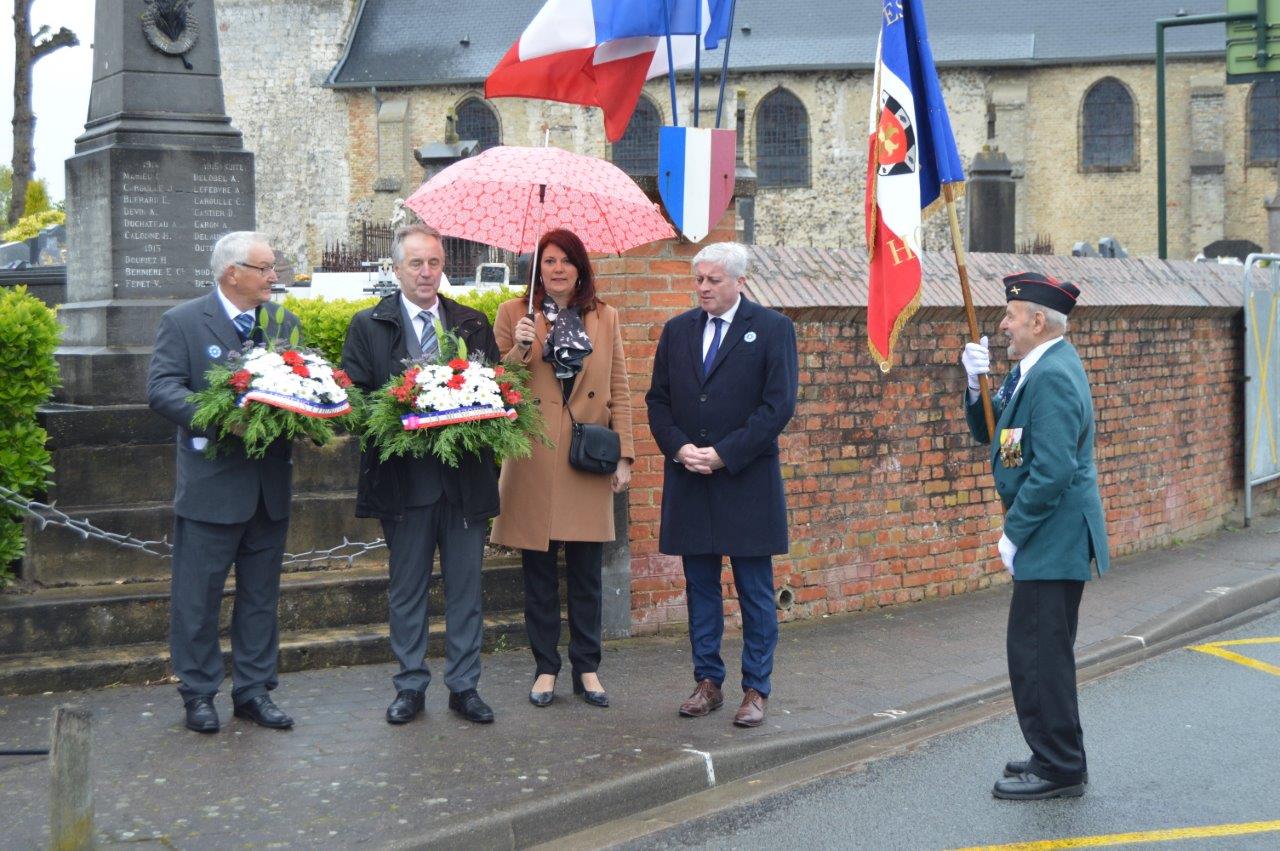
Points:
(889, 501)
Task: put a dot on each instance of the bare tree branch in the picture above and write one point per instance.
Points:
(62, 38)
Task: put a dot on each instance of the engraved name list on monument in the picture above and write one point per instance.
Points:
(171, 210)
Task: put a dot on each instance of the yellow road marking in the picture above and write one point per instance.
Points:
(1236, 642)
(1237, 658)
(1214, 648)
(1171, 835)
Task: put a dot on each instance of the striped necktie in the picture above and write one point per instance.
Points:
(428, 342)
(1005, 393)
(244, 325)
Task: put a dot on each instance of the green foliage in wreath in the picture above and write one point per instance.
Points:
(506, 438)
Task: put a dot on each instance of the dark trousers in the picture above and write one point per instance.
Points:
(753, 578)
(413, 541)
(202, 557)
(582, 561)
(1042, 673)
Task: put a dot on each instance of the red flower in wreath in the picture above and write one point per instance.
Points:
(456, 382)
(301, 369)
(292, 358)
(240, 380)
(401, 394)
(498, 371)
(341, 378)
(512, 397)
(458, 364)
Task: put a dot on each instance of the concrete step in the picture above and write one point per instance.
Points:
(106, 616)
(36, 673)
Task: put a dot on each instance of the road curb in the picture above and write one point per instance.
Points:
(529, 823)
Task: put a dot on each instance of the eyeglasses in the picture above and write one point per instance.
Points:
(266, 270)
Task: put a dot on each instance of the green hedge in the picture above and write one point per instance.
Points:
(325, 323)
(29, 333)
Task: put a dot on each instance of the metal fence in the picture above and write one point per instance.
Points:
(372, 243)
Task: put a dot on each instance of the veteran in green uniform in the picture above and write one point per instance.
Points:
(1054, 526)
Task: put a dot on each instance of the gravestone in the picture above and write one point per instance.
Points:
(992, 202)
(51, 244)
(158, 175)
(12, 254)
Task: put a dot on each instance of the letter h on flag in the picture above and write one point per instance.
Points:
(912, 152)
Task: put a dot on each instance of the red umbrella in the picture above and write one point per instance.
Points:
(509, 196)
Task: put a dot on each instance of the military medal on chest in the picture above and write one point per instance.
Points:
(1011, 447)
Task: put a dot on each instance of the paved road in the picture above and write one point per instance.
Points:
(1184, 740)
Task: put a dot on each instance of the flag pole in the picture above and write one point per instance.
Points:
(984, 388)
(697, 57)
(671, 65)
(724, 65)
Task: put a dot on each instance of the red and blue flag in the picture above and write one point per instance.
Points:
(912, 153)
(600, 52)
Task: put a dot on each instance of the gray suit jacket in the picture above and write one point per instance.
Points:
(225, 489)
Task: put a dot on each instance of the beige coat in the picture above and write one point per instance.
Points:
(543, 498)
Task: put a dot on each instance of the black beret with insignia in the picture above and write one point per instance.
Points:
(1041, 289)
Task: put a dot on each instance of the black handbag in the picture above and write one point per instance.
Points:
(593, 448)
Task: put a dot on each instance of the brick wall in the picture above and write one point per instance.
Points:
(889, 499)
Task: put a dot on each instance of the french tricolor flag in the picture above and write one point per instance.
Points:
(600, 52)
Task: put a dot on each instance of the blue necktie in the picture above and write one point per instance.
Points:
(710, 358)
(428, 344)
(244, 325)
(1005, 393)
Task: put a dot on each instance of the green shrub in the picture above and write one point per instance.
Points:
(325, 323)
(29, 333)
(37, 198)
(30, 225)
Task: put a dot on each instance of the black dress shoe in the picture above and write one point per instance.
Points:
(543, 698)
(1023, 766)
(595, 698)
(1030, 787)
(201, 716)
(469, 705)
(263, 712)
(405, 707)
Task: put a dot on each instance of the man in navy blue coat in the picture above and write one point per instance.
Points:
(724, 387)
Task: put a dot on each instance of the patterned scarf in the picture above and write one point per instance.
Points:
(568, 344)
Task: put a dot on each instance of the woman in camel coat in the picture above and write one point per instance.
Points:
(547, 504)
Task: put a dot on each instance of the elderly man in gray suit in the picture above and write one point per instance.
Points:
(228, 509)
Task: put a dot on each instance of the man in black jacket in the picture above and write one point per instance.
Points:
(424, 504)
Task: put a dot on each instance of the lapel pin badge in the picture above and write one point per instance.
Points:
(749, 337)
(215, 352)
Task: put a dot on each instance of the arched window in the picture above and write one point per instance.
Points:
(477, 120)
(636, 152)
(782, 140)
(1264, 122)
(1107, 127)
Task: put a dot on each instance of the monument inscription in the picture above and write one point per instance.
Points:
(169, 212)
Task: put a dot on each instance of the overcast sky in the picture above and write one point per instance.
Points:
(61, 86)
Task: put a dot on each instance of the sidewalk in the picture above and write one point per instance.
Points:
(343, 777)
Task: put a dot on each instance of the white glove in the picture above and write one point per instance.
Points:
(1008, 549)
(976, 360)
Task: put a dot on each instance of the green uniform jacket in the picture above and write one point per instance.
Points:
(1054, 514)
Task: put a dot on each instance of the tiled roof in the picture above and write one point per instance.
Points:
(836, 279)
(420, 42)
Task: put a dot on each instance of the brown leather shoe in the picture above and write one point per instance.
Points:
(705, 698)
(751, 712)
